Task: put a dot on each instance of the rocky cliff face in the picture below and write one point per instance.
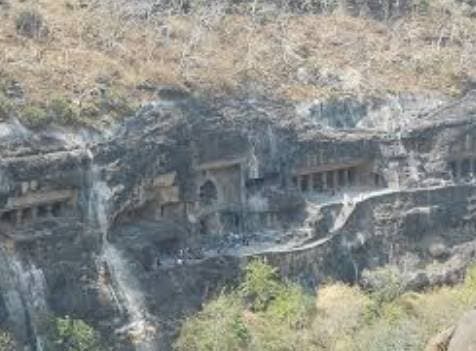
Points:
(133, 229)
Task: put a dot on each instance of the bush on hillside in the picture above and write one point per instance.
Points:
(278, 315)
(260, 285)
(6, 342)
(35, 116)
(291, 306)
(219, 326)
(6, 107)
(69, 334)
(385, 283)
(269, 314)
(335, 320)
(386, 336)
(30, 23)
(62, 110)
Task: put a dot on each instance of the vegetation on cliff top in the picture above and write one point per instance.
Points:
(6, 342)
(265, 313)
(64, 334)
(103, 57)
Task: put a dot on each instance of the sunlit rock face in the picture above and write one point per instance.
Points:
(133, 229)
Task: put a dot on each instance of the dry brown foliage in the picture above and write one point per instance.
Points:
(288, 56)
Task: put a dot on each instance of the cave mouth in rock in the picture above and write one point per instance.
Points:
(208, 193)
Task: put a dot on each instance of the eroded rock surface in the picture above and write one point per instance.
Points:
(134, 228)
(464, 338)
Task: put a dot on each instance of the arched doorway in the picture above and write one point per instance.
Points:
(208, 193)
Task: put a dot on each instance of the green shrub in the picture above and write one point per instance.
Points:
(219, 327)
(73, 335)
(267, 334)
(404, 335)
(341, 311)
(470, 279)
(260, 285)
(35, 116)
(283, 325)
(6, 342)
(62, 110)
(386, 284)
(283, 317)
(30, 23)
(278, 320)
(116, 102)
(6, 107)
(291, 306)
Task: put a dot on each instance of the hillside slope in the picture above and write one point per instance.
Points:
(79, 60)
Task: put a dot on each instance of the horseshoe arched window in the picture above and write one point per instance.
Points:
(208, 193)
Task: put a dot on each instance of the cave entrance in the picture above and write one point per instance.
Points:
(8, 217)
(208, 193)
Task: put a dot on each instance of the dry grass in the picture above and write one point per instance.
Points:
(294, 57)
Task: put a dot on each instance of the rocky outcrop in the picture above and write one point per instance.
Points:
(457, 338)
(382, 10)
(132, 230)
(464, 338)
(440, 341)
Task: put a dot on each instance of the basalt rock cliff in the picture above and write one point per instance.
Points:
(133, 228)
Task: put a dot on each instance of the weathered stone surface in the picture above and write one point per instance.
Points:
(440, 341)
(464, 337)
(165, 209)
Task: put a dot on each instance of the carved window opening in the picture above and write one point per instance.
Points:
(305, 183)
(27, 215)
(351, 176)
(56, 209)
(465, 168)
(454, 169)
(341, 177)
(378, 180)
(208, 193)
(295, 182)
(330, 179)
(317, 182)
(42, 211)
(8, 216)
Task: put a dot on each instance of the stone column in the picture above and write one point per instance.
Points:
(330, 179)
(324, 181)
(269, 219)
(24, 187)
(346, 177)
(458, 169)
(472, 165)
(306, 180)
(49, 211)
(317, 182)
(336, 179)
(34, 213)
(19, 215)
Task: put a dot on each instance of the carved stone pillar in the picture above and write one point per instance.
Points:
(336, 179)
(18, 216)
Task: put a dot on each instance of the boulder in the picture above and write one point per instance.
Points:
(440, 341)
(464, 337)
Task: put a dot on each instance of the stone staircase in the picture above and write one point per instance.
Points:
(307, 230)
(344, 214)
